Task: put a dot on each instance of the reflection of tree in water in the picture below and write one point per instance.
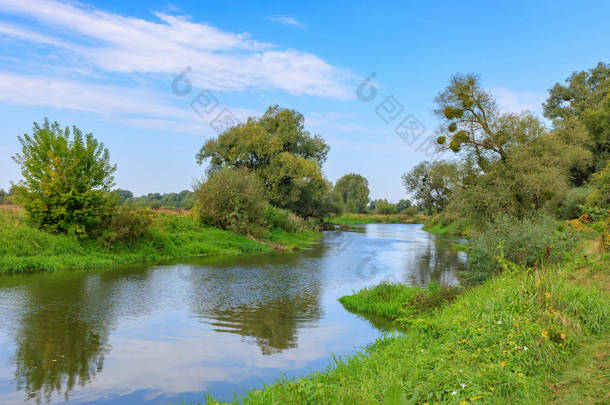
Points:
(61, 337)
(436, 261)
(268, 301)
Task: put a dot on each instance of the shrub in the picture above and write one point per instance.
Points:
(232, 199)
(600, 197)
(127, 225)
(385, 208)
(283, 219)
(576, 197)
(410, 211)
(530, 241)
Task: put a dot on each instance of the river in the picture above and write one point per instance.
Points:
(221, 325)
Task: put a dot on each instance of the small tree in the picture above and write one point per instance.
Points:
(232, 199)
(67, 177)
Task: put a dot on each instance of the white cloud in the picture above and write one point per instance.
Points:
(219, 60)
(285, 20)
(518, 101)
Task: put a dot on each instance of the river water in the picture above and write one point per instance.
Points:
(221, 325)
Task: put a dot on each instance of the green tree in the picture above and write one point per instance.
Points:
(403, 204)
(67, 177)
(600, 197)
(232, 199)
(432, 183)
(284, 156)
(3, 196)
(352, 191)
(584, 102)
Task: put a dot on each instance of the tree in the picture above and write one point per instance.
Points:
(67, 177)
(284, 156)
(3, 196)
(353, 192)
(124, 194)
(384, 207)
(432, 183)
(403, 204)
(232, 199)
(584, 102)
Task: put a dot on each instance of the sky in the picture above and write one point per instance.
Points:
(154, 80)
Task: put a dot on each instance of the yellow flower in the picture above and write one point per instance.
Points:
(544, 334)
(547, 295)
(562, 336)
(503, 363)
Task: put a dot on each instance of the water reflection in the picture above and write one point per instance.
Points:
(60, 344)
(222, 325)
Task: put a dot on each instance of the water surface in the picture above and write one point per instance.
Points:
(220, 325)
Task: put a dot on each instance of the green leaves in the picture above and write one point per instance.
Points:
(66, 179)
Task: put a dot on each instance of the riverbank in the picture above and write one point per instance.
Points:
(24, 248)
(504, 341)
(359, 219)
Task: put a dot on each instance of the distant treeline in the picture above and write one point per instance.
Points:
(185, 199)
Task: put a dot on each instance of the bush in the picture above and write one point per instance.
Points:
(283, 219)
(410, 211)
(600, 197)
(385, 208)
(571, 206)
(232, 199)
(531, 241)
(127, 225)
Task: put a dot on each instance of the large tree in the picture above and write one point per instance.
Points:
(276, 147)
(67, 177)
(432, 183)
(580, 110)
(352, 190)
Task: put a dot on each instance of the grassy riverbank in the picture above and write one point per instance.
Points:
(505, 341)
(25, 248)
(358, 219)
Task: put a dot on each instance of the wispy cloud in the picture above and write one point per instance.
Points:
(285, 20)
(116, 44)
(511, 101)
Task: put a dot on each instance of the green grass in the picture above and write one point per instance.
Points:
(394, 300)
(497, 343)
(25, 248)
(358, 219)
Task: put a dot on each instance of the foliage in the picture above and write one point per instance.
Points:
(356, 219)
(600, 196)
(127, 225)
(185, 199)
(67, 177)
(575, 198)
(383, 207)
(432, 183)
(353, 193)
(404, 204)
(584, 101)
(232, 199)
(283, 155)
(285, 220)
(530, 241)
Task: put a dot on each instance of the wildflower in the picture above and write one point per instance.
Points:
(562, 336)
(547, 295)
(463, 385)
(499, 322)
(503, 363)
(454, 392)
(544, 334)
(524, 347)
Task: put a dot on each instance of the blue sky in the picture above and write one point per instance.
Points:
(108, 67)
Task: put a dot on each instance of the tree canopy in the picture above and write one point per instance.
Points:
(67, 177)
(286, 158)
(352, 190)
